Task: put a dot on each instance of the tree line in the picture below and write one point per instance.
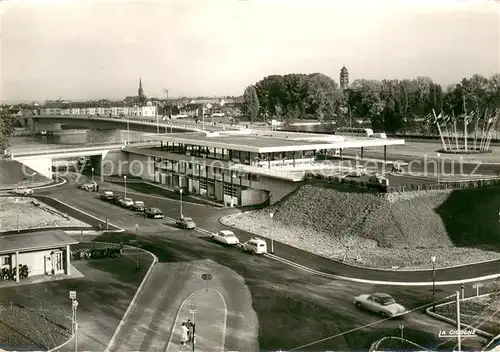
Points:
(389, 105)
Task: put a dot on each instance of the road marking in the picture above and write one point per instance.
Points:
(83, 212)
(224, 328)
(376, 282)
(133, 302)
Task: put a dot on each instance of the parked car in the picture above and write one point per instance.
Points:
(126, 202)
(90, 186)
(116, 199)
(23, 191)
(138, 205)
(225, 237)
(380, 303)
(154, 213)
(107, 196)
(255, 246)
(185, 223)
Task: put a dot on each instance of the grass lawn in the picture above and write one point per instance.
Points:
(290, 312)
(158, 191)
(103, 295)
(471, 217)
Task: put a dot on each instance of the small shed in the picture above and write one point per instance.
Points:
(44, 253)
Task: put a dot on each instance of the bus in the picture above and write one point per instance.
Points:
(354, 132)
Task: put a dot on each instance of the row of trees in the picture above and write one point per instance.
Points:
(389, 105)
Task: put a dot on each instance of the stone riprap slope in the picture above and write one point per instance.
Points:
(367, 229)
(32, 216)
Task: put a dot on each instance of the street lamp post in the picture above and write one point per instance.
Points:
(433, 260)
(157, 119)
(92, 174)
(128, 130)
(17, 207)
(125, 183)
(137, 246)
(192, 311)
(180, 192)
(272, 241)
(438, 171)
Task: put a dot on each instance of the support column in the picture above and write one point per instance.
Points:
(68, 259)
(361, 152)
(17, 267)
(293, 158)
(385, 153)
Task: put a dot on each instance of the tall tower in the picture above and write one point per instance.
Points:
(344, 78)
(140, 91)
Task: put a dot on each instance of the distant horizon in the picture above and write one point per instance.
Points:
(213, 47)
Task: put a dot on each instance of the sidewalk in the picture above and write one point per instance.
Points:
(210, 319)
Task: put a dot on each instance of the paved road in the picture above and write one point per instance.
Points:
(184, 247)
(207, 218)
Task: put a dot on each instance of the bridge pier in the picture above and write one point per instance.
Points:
(108, 136)
(38, 126)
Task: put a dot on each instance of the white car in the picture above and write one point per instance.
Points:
(225, 237)
(126, 202)
(255, 246)
(23, 191)
(380, 303)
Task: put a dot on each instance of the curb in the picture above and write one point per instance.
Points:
(134, 299)
(71, 338)
(366, 267)
(118, 228)
(429, 312)
(182, 305)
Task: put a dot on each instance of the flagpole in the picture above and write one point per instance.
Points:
(455, 130)
(436, 119)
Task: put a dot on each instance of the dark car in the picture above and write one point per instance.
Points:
(137, 206)
(107, 196)
(116, 200)
(154, 213)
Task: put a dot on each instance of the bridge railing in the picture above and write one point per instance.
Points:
(83, 147)
(151, 122)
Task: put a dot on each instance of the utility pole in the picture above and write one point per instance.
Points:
(459, 337)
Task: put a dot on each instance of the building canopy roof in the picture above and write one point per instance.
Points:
(25, 242)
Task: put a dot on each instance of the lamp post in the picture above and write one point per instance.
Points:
(433, 260)
(272, 241)
(180, 192)
(157, 119)
(17, 207)
(92, 174)
(125, 181)
(192, 311)
(128, 130)
(438, 166)
(137, 246)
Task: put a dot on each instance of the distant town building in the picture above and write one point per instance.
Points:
(344, 78)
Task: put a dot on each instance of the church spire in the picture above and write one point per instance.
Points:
(140, 90)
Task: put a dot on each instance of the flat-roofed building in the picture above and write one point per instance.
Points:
(241, 167)
(44, 253)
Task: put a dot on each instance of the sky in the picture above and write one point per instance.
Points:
(89, 49)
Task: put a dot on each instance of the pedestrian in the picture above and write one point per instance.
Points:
(184, 337)
(189, 325)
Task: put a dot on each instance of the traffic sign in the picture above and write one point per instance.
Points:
(192, 309)
(72, 294)
(206, 277)
(478, 285)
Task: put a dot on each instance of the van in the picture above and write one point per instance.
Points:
(255, 246)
